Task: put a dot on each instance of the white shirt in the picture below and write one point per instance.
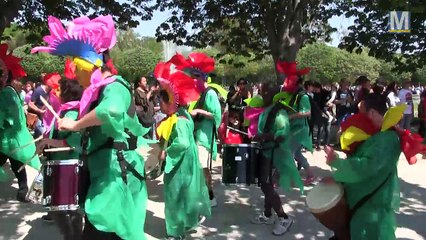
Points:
(393, 99)
(406, 96)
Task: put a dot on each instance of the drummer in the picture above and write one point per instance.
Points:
(230, 135)
(273, 133)
(70, 92)
(369, 175)
(16, 142)
(115, 204)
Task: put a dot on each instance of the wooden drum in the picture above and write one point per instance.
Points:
(327, 203)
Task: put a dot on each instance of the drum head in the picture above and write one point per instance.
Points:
(153, 167)
(324, 196)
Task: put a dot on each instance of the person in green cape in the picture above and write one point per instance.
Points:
(274, 135)
(70, 223)
(116, 196)
(369, 173)
(17, 144)
(186, 195)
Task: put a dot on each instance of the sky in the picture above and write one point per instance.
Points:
(148, 28)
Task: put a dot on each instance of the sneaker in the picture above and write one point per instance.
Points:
(309, 180)
(47, 218)
(282, 226)
(262, 219)
(213, 202)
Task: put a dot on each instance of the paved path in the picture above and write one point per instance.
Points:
(230, 219)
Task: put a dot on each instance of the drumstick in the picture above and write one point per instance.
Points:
(238, 131)
(26, 145)
(50, 108)
(62, 149)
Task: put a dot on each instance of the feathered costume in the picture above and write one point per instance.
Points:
(51, 80)
(16, 140)
(111, 205)
(198, 65)
(372, 159)
(186, 195)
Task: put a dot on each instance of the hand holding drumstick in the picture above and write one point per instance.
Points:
(63, 123)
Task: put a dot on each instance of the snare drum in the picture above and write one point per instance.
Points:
(239, 163)
(327, 203)
(61, 184)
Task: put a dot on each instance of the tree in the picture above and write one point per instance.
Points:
(33, 14)
(266, 27)
(371, 30)
(330, 64)
(35, 64)
(134, 63)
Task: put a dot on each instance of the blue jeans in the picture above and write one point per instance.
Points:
(405, 122)
(39, 129)
(302, 162)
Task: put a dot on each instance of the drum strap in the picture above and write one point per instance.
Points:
(210, 160)
(363, 200)
(124, 165)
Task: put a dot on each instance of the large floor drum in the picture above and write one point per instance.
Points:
(239, 164)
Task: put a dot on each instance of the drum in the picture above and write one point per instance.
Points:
(327, 203)
(239, 163)
(153, 167)
(61, 184)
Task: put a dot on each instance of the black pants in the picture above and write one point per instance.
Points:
(272, 199)
(21, 176)
(70, 224)
(323, 126)
(91, 233)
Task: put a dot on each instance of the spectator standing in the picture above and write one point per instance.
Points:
(406, 96)
(36, 106)
(364, 89)
(344, 101)
(323, 125)
(391, 94)
(144, 105)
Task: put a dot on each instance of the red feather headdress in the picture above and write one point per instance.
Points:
(181, 88)
(292, 74)
(8, 62)
(196, 65)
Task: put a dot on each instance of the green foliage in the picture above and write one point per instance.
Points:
(33, 14)
(136, 62)
(35, 64)
(371, 30)
(259, 28)
(329, 64)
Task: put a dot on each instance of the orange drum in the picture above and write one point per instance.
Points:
(327, 203)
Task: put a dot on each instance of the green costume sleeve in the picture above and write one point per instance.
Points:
(11, 104)
(371, 157)
(112, 111)
(180, 141)
(73, 139)
(212, 105)
(304, 104)
(282, 124)
(15, 134)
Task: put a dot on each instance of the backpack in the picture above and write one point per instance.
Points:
(295, 103)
